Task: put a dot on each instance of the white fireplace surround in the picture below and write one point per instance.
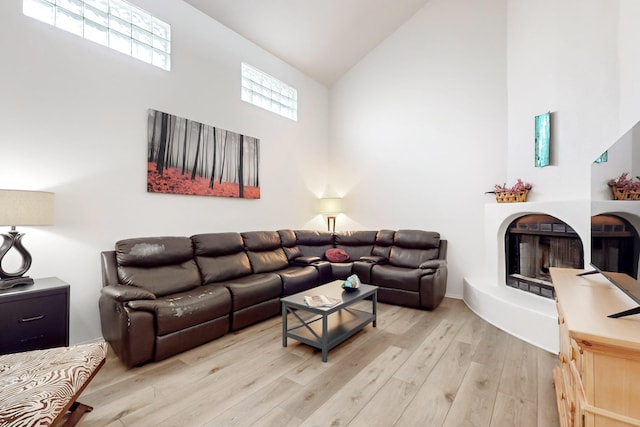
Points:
(529, 317)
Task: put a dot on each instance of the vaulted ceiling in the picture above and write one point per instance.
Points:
(322, 38)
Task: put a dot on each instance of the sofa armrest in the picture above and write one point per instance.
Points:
(305, 260)
(433, 264)
(130, 333)
(123, 293)
(145, 305)
(373, 259)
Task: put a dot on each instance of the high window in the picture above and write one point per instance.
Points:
(262, 90)
(113, 23)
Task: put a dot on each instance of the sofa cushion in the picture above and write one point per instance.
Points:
(160, 265)
(341, 270)
(261, 240)
(391, 276)
(185, 309)
(162, 280)
(413, 247)
(254, 289)
(292, 253)
(384, 241)
(356, 243)
(417, 239)
(264, 250)
(288, 239)
(215, 244)
(265, 262)
(223, 267)
(298, 279)
(220, 256)
(314, 243)
(153, 251)
(410, 258)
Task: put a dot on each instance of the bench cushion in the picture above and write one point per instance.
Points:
(38, 387)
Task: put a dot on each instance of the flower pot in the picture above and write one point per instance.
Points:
(511, 196)
(620, 193)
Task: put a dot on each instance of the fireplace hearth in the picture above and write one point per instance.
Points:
(533, 244)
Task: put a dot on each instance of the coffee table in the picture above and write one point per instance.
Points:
(326, 327)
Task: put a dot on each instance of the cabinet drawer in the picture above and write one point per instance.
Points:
(34, 323)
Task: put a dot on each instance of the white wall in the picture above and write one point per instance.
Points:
(418, 128)
(629, 59)
(445, 108)
(563, 58)
(73, 118)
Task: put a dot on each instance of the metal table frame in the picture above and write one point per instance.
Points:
(328, 326)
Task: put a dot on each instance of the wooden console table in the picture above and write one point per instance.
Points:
(598, 380)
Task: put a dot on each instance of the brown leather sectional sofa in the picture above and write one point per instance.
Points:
(165, 295)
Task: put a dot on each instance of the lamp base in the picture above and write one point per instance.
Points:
(331, 224)
(10, 283)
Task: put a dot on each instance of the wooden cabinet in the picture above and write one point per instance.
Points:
(34, 317)
(598, 378)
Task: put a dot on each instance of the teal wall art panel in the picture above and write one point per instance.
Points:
(543, 139)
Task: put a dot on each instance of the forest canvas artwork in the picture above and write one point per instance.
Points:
(188, 157)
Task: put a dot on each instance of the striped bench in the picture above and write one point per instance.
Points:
(38, 388)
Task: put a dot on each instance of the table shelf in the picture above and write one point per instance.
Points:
(341, 326)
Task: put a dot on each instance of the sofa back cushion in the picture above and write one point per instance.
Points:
(412, 247)
(220, 256)
(160, 265)
(288, 239)
(383, 243)
(356, 243)
(264, 249)
(314, 243)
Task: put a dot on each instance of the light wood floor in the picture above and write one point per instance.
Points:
(417, 368)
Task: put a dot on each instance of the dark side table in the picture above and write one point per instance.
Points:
(34, 317)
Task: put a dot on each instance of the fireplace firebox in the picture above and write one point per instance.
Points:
(615, 244)
(533, 244)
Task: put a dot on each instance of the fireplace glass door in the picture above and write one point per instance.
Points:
(534, 243)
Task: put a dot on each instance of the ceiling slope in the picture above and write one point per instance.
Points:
(323, 39)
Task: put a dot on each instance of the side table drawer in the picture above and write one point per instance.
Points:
(34, 323)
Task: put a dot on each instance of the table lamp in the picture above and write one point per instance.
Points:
(19, 207)
(331, 207)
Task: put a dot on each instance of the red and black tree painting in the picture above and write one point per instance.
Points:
(187, 157)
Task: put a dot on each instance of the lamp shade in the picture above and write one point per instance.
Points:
(330, 206)
(20, 207)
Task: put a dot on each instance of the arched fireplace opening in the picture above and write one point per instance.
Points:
(615, 244)
(533, 244)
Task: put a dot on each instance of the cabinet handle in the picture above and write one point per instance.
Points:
(31, 319)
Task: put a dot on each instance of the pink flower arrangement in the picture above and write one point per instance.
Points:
(516, 188)
(624, 183)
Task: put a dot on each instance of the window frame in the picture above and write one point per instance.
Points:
(265, 91)
(116, 24)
